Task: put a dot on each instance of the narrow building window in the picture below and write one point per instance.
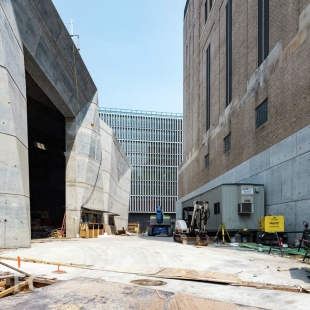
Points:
(263, 30)
(207, 163)
(217, 208)
(228, 52)
(206, 11)
(227, 145)
(208, 85)
(211, 3)
(262, 114)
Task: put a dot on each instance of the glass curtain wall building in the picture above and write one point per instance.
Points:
(153, 143)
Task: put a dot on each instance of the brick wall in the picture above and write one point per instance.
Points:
(286, 86)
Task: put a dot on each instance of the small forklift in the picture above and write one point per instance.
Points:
(160, 224)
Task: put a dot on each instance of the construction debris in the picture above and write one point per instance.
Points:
(15, 269)
(39, 232)
(9, 286)
(16, 288)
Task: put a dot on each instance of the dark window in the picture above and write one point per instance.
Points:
(206, 11)
(208, 84)
(211, 3)
(207, 163)
(227, 143)
(217, 209)
(186, 7)
(262, 114)
(263, 30)
(228, 52)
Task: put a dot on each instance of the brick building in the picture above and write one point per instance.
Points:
(247, 101)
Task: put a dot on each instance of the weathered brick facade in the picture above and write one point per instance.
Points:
(276, 154)
(283, 78)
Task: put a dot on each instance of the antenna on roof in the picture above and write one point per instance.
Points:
(74, 35)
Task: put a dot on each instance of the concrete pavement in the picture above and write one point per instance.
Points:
(123, 259)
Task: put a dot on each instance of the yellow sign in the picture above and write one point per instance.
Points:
(271, 223)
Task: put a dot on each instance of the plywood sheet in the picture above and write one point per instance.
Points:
(204, 276)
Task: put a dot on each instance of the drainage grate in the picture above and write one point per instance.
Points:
(146, 282)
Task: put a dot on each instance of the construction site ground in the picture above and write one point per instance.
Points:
(106, 266)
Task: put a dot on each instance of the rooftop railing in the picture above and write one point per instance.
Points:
(139, 112)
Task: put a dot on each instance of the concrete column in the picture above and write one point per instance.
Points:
(83, 178)
(14, 176)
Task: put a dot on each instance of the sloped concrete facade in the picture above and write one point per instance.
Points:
(33, 38)
(116, 176)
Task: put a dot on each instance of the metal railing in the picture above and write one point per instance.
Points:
(139, 112)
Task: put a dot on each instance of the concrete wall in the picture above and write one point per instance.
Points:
(116, 175)
(34, 38)
(284, 169)
(268, 154)
(84, 184)
(14, 179)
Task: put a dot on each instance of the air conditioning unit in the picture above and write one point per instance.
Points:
(245, 208)
(245, 199)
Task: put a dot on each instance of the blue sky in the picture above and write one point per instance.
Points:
(132, 49)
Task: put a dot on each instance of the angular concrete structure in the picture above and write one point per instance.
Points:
(116, 177)
(53, 147)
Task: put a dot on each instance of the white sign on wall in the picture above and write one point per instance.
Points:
(247, 191)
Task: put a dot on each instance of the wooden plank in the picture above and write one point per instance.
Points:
(197, 275)
(18, 270)
(45, 281)
(287, 269)
(14, 289)
(266, 286)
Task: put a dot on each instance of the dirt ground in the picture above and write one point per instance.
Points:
(83, 293)
(121, 260)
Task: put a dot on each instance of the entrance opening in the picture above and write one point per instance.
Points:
(47, 161)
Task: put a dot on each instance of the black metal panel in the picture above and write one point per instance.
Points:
(208, 87)
(207, 161)
(217, 208)
(263, 30)
(186, 7)
(262, 114)
(227, 143)
(228, 52)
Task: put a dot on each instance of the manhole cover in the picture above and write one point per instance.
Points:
(146, 282)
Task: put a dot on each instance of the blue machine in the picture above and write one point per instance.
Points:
(160, 224)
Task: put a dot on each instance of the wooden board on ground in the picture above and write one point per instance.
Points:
(197, 275)
(85, 293)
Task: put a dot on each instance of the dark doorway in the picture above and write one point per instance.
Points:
(47, 161)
